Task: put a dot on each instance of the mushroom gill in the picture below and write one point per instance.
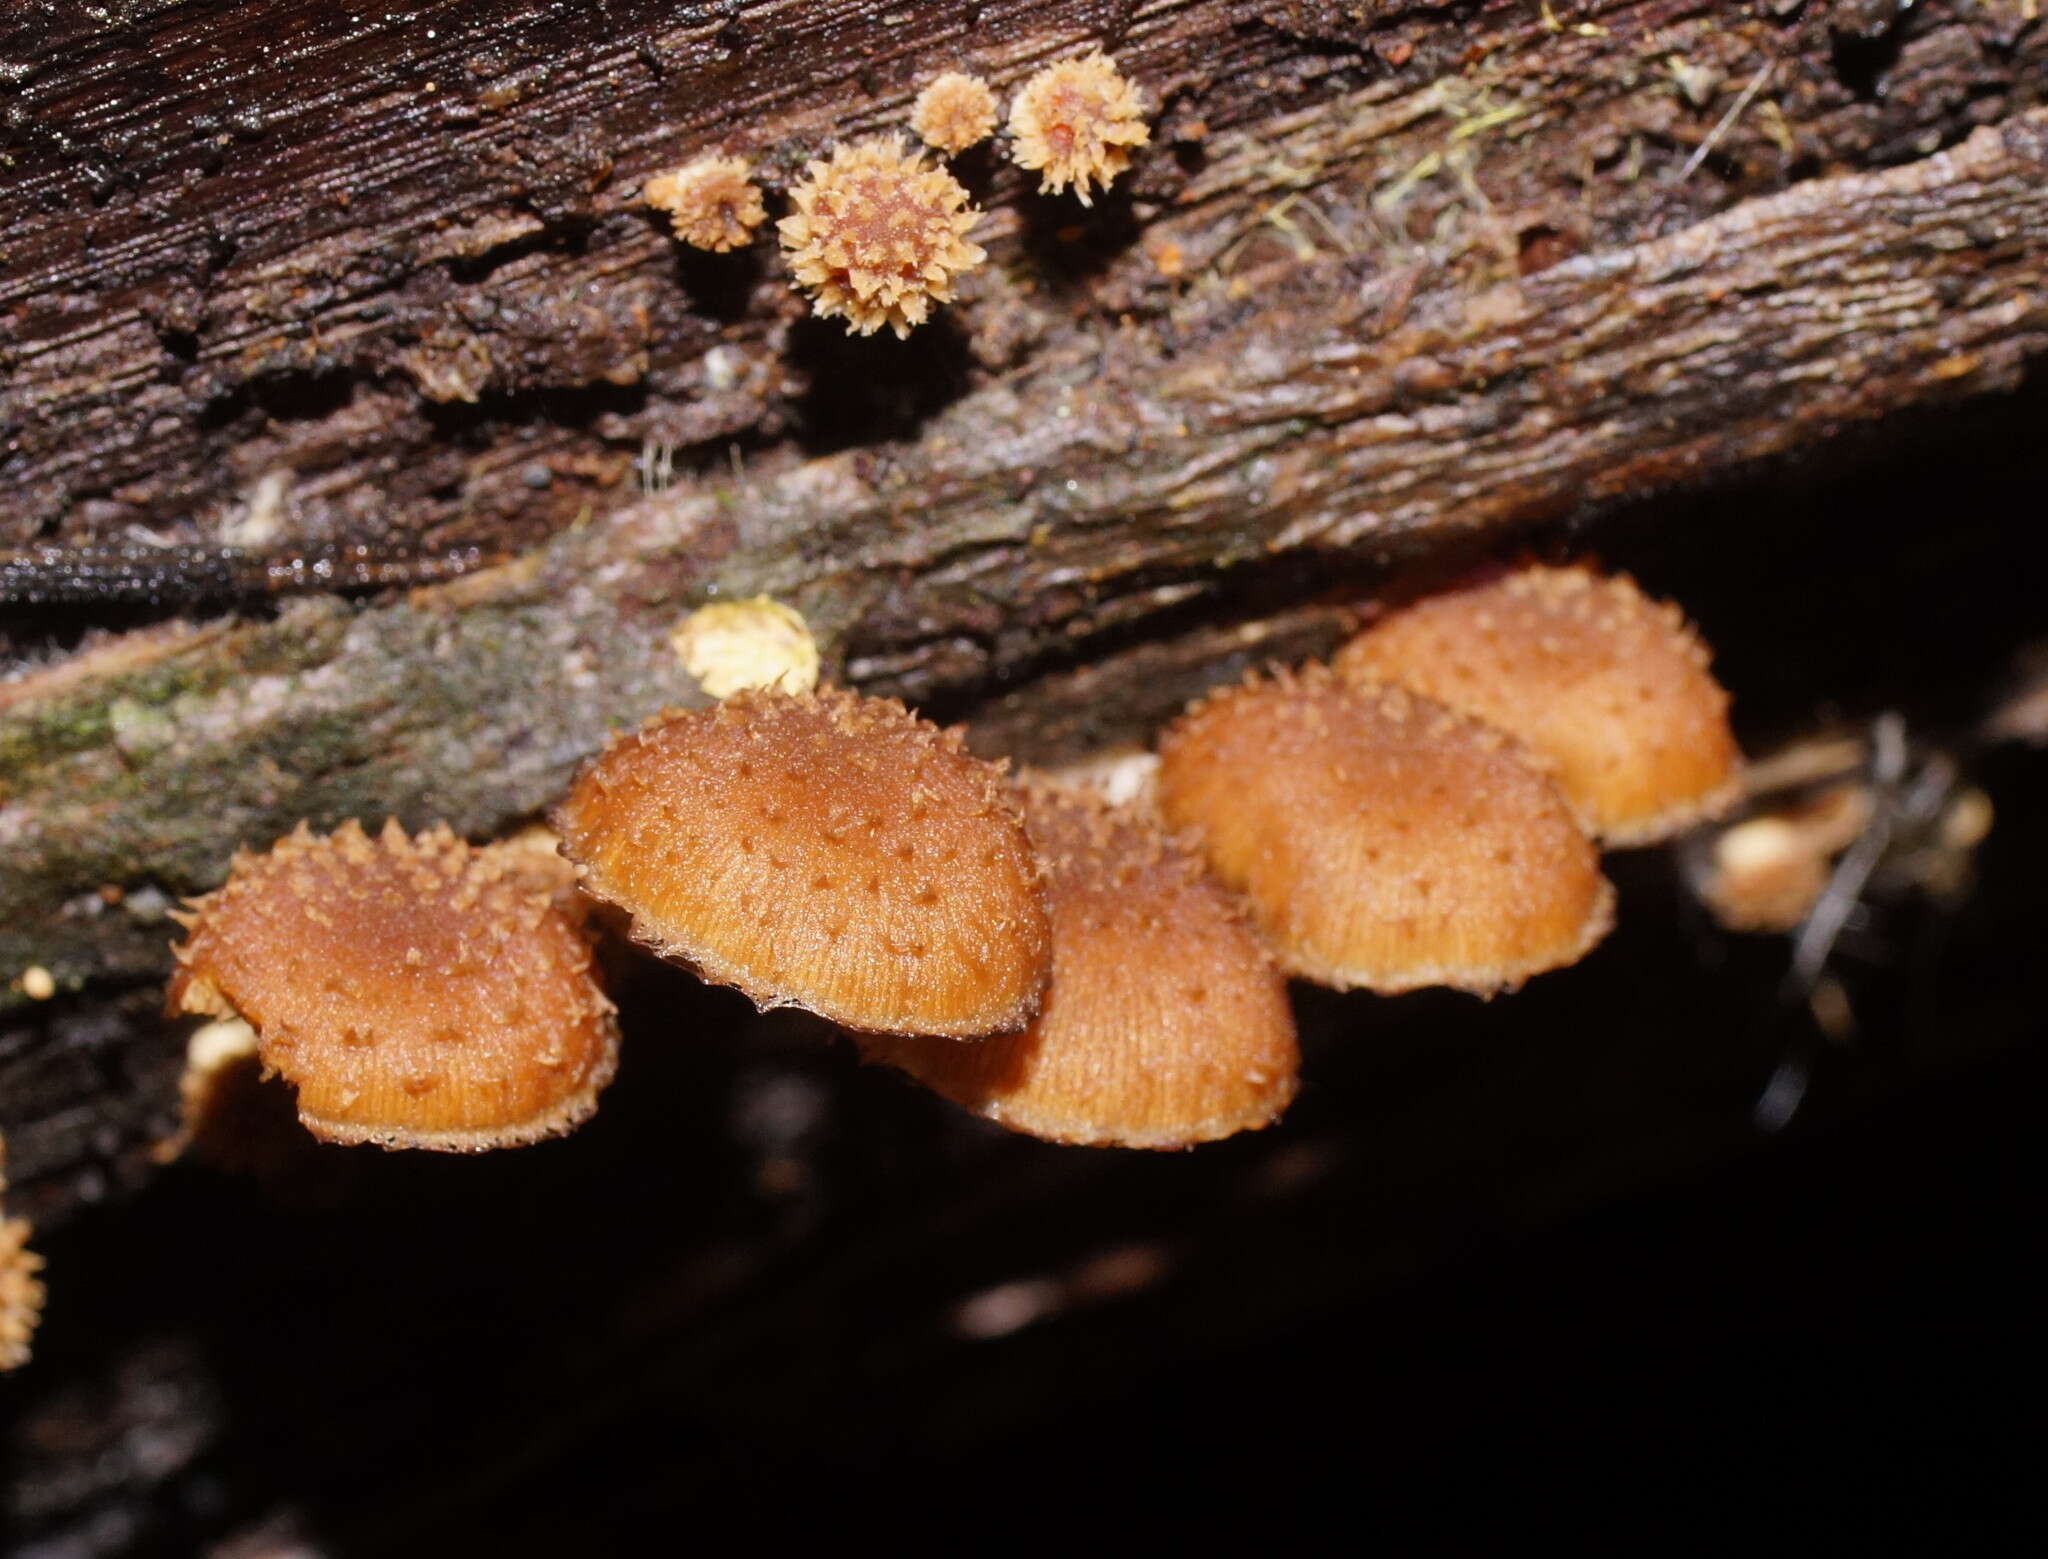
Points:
(1166, 1023)
(417, 993)
(825, 851)
(1381, 839)
(1606, 686)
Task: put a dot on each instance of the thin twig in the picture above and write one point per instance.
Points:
(1742, 101)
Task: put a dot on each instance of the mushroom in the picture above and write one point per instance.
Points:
(1165, 1025)
(21, 1292)
(1074, 123)
(417, 993)
(712, 203)
(825, 851)
(1382, 840)
(878, 236)
(953, 112)
(1606, 686)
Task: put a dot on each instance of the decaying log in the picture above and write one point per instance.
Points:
(304, 309)
(1329, 416)
(298, 275)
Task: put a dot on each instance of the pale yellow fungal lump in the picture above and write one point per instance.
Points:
(733, 645)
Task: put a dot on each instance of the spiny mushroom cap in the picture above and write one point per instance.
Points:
(417, 993)
(824, 851)
(954, 112)
(21, 1294)
(1074, 123)
(878, 236)
(1606, 686)
(1166, 1024)
(712, 203)
(1381, 839)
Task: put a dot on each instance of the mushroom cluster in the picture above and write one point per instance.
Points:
(877, 236)
(21, 1292)
(1083, 970)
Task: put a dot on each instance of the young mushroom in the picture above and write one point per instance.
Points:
(825, 851)
(1383, 840)
(1074, 123)
(1165, 1025)
(878, 236)
(1606, 686)
(417, 993)
(953, 112)
(712, 203)
(21, 1292)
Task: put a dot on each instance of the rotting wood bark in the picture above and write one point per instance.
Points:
(313, 274)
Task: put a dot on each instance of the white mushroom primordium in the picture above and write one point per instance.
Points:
(1606, 686)
(1381, 840)
(416, 993)
(825, 851)
(1166, 1023)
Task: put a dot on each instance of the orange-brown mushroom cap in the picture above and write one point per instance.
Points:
(416, 993)
(1608, 687)
(1166, 1023)
(21, 1291)
(825, 851)
(1383, 840)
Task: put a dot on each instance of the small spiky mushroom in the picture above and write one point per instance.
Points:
(1075, 123)
(1165, 1025)
(954, 111)
(1383, 840)
(417, 993)
(878, 236)
(1608, 687)
(712, 203)
(21, 1292)
(825, 851)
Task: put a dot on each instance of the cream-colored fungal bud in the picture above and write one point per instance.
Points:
(1074, 123)
(730, 646)
(21, 1292)
(1608, 687)
(954, 111)
(1165, 1025)
(1766, 872)
(415, 992)
(878, 236)
(826, 851)
(712, 203)
(1381, 839)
